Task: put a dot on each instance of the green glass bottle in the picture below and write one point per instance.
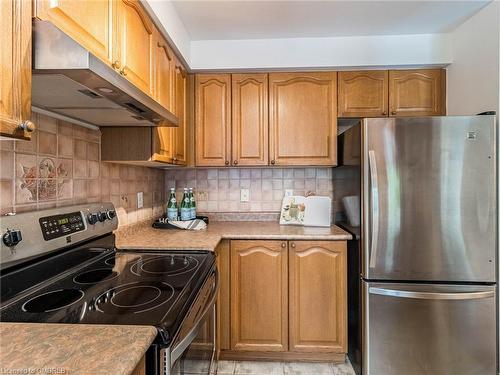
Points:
(193, 204)
(172, 208)
(186, 206)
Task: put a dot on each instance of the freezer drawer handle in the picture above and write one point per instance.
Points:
(374, 207)
(427, 295)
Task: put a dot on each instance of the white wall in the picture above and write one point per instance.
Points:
(359, 51)
(164, 14)
(474, 75)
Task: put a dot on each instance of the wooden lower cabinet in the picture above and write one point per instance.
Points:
(318, 296)
(140, 369)
(287, 299)
(259, 296)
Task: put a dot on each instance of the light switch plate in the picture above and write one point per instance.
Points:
(288, 192)
(245, 195)
(140, 199)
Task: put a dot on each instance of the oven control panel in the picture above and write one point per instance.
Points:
(61, 225)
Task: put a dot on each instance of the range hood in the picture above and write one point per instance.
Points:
(68, 80)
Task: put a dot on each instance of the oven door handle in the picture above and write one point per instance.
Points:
(191, 335)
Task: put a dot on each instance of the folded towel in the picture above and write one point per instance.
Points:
(195, 224)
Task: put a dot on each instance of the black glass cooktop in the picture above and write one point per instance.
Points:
(116, 288)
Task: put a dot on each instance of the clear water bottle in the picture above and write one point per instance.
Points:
(172, 208)
(193, 204)
(186, 206)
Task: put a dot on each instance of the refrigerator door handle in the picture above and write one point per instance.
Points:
(428, 295)
(374, 209)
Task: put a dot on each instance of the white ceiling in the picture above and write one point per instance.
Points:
(225, 20)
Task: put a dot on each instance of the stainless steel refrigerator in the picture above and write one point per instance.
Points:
(422, 282)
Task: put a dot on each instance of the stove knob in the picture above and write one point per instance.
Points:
(102, 216)
(110, 214)
(92, 218)
(12, 237)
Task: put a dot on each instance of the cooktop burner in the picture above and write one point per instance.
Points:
(136, 297)
(95, 276)
(53, 300)
(165, 265)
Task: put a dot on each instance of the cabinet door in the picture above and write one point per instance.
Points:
(213, 119)
(180, 133)
(363, 93)
(419, 92)
(15, 69)
(303, 118)
(223, 300)
(318, 297)
(259, 296)
(134, 47)
(250, 125)
(87, 22)
(164, 72)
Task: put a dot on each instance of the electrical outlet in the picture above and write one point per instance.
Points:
(288, 192)
(140, 199)
(245, 195)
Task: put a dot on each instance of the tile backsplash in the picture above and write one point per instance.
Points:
(218, 189)
(61, 166)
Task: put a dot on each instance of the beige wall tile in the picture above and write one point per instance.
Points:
(64, 146)
(47, 124)
(6, 196)
(80, 149)
(47, 143)
(7, 165)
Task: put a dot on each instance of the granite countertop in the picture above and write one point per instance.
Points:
(143, 236)
(72, 348)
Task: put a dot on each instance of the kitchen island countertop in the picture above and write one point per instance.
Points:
(143, 236)
(38, 348)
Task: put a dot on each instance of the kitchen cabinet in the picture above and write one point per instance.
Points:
(363, 93)
(213, 119)
(15, 69)
(164, 72)
(418, 92)
(303, 118)
(140, 369)
(318, 296)
(259, 296)
(250, 125)
(180, 134)
(88, 25)
(223, 299)
(133, 49)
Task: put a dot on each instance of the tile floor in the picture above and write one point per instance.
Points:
(283, 368)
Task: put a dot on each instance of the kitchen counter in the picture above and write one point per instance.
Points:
(72, 348)
(143, 236)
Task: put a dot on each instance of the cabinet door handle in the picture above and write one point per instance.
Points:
(292, 245)
(394, 112)
(27, 126)
(116, 64)
(283, 245)
(235, 162)
(227, 162)
(384, 113)
(273, 162)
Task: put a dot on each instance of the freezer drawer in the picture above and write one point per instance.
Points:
(422, 329)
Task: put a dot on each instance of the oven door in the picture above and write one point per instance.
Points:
(193, 350)
(198, 358)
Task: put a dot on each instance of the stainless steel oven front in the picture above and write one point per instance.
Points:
(193, 349)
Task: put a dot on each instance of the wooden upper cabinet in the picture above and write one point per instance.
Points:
(15, 69)
(164, 72)
(259, 296)
(86, 22)
(179, 134)
(318, 296)
(250, 125)
(213, 119)
(133, 52)
(363, 93)
(303, 118)
(419, 92)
